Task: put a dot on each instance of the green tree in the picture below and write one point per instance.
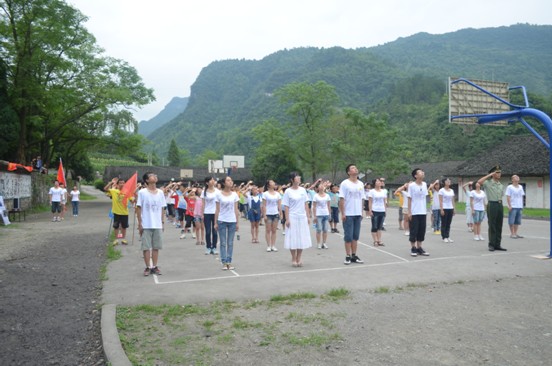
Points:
(64, 91)
(173, 155)
(202, 159)
(310, 106)
(9, 128)
(274, 158)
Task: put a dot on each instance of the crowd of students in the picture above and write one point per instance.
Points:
(211, 212)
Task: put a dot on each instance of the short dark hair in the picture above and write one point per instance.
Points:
(146, 176)
(348, 167)
(292, 176)
(414, 172)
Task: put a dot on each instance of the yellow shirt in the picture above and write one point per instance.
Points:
(117, 202)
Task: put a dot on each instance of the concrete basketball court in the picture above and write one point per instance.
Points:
(190, 276)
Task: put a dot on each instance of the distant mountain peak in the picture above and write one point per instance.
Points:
(175, 107)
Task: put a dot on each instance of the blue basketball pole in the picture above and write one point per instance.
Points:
(514, 115)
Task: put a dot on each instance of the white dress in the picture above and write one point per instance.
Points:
(298, 233)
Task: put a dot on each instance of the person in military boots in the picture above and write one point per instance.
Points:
(495, 213)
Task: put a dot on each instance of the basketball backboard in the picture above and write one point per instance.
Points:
(466, 99)
(215, 166)
(233, 161)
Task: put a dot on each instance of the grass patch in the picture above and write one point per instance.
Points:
(195, 334)
(86, 197)
(382, 290)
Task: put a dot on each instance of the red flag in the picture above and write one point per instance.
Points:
(61, 174)
(12, 166)
(129, 188)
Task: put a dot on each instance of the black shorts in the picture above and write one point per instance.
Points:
(170, 209)
(120, 220)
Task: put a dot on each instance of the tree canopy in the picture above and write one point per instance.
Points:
(66, 95)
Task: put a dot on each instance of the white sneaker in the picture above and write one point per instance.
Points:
(183, 236)
(476, 238)
(450, 240)
(319, 246)
(274, 249)
(193, 236)
(481, 238)
(446, 240)
(406, 233)
(324, 246)
(268, 249)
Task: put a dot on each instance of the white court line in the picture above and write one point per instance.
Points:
(379, 250)
(355, 266)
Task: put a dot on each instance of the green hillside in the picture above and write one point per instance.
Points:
(404, 80)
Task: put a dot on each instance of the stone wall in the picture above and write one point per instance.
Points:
(31, 189)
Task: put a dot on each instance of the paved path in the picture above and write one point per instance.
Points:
(189, 276)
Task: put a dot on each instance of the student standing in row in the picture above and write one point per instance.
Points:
(351, 194)
(227, 221)
(417, 212)
(334, 206)
(150, 211)
(446, 206)
(297, 217)
(477, 203)
(378, 206)
(209, 208)
(54, 194)
(321, 214)
(514, 198)
(271, 209)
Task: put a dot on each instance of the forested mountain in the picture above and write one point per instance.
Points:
(175, 107)
(404, 80)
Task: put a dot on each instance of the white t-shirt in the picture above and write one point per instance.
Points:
(322, 204)
(74, 195)
(295, 199)
(271, 202)
(209, 201)
(152, 205)
(448, 198)
(418, 194)
(226, 206)
(169, 198)
(56, 194)
(405, 199)
(516, 195)
(353, 193)
(478, 200)
(435, 205)
(378, 200)
(63, 195)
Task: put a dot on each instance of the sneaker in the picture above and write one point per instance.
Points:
(336, 231)
(207, 251)
(274, 249)
(450, 240)
(319, 246)
(347, 260)
(481, 238)
(115, 242)
(193, 236)
(156, 271)
(476, 238)
(406, 233)
(124, 242)
(356, 259)
(183, 236)
(324, 246)
(146, 272)
(446, 240)
(414, 252)
(214, 251)
(519, 236)
(421, 251)
(54, 219)
(268, 249)
(437, 232)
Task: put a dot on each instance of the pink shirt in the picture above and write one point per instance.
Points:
(198, 209)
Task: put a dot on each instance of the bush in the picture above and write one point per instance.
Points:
(99, 184)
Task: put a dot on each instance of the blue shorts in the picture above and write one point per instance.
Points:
(514, 217)
(478, 216)
(322, 223)
(351, 228)
(271, 218)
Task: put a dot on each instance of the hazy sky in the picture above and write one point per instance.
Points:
(170, 41)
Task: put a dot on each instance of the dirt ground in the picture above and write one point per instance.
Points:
(50, 288)
(50, 300)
